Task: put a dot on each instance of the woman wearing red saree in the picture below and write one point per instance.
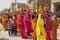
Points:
(54, 26)
(20, 24)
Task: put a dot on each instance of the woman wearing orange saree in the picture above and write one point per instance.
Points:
(4, 22)
(34, 20)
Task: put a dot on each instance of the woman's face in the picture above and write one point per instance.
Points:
(14, 12)
(35, 15)
(34, 10)
(27, 9)
(21, 12)
(55, 17)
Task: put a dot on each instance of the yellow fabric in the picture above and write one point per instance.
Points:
(4, 22)
(40, 10)
(40, 31)
(27, 9)
(34, 10)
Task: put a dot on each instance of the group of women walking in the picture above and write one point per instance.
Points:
(42, 25)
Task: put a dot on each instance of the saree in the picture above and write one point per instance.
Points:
(20, 26)
(47, 27)
(34, 26)
(47, 18)
(54, 26)
(4, 23)
(27, 23)
(40, 31)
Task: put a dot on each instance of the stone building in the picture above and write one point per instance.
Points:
(15, 6)
(55, 7)
(43, 2)
(37, 3)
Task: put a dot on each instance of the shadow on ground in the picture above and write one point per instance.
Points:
(3, 39)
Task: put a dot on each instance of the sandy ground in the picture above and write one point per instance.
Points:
(4, 35)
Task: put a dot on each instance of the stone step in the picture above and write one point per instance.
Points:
(59, 26)
(58, 33)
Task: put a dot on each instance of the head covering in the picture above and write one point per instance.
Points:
(21, 11)
(40, 10)
(33, 10)
(46, 8)
(27, 9)
(4, 15)
(14, 11)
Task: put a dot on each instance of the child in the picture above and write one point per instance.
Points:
(9, 27)
(14, 29)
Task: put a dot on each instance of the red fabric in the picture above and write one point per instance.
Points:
(20, 26)
(54, 34)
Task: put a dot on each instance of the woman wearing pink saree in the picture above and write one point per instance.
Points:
(47, 17)
(27, 22)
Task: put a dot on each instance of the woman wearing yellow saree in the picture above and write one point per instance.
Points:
(4, 22)
(40, 31)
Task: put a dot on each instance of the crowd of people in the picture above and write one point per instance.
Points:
(42, 25)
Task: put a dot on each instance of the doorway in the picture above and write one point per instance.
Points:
(57, 9)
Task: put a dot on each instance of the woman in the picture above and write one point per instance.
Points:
(20, 24)
(4, 22)
(54, 26)
(47, 18)
(34, 20)
(40, 31)
(27, 22)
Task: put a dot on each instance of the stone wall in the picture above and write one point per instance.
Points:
(55, 1)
